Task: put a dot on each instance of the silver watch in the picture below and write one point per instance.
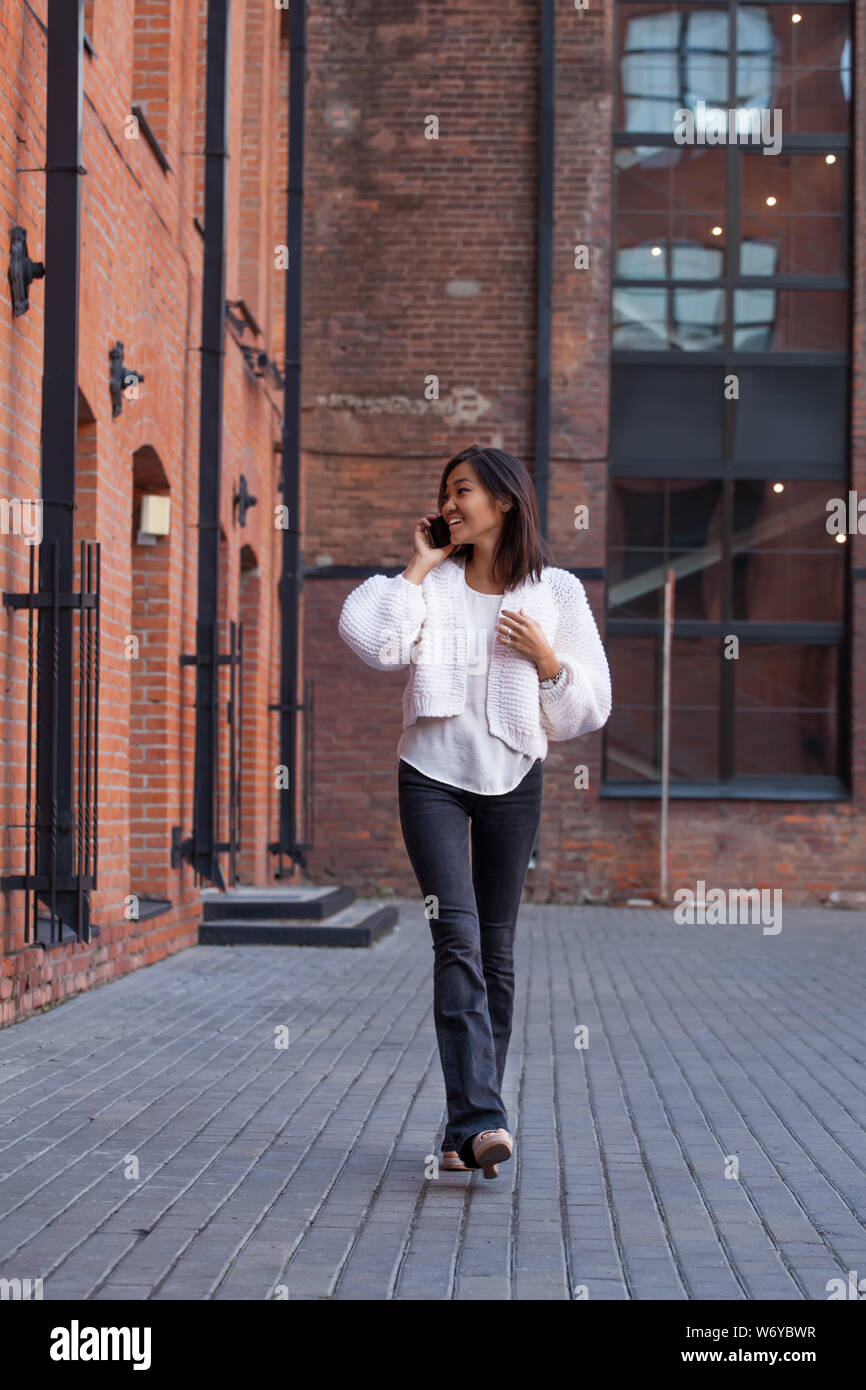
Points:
(553, 681)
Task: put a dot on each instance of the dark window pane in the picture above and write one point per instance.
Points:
(670, 56)
(670, 212)
(800, 233)
(640, 319)
(632, 731)
(767, 320)
(674, 56)
(785, 716)
(661, 246)
(697, 320)
(633, 740)
(804, 69)
(694, 729)
(656, 420)
(786, 568)
(791, 418)
(656, 523)
(692, 321)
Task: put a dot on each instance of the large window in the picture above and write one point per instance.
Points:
(729, 397)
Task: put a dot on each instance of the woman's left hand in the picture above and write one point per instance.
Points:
(526, 637)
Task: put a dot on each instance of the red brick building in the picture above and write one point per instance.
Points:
(141, 276)
(448, 225)
(689, 277)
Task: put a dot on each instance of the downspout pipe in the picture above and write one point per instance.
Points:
(291, 578)
(59, 442)
(544, 264)
(204, 851)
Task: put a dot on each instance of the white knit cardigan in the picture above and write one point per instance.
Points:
(390, 622)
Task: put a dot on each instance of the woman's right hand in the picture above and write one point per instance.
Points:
(422, 551)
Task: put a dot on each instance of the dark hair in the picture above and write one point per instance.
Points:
(521, 549)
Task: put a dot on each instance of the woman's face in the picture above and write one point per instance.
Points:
(468, 507)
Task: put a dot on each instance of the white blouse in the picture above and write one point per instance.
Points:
(459, 748)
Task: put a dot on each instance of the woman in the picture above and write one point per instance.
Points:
(503, 654)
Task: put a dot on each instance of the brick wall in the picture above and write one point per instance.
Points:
(419, 259)
(152, 66)
(141, 278)
(394, 222)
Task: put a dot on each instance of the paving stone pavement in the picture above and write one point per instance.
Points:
(158, 1140)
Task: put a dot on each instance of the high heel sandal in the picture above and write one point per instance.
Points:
(453, 1163)
(490, 1148)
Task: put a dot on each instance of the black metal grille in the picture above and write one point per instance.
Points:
(304, 843)
(234, 719)
(49, 837)
(203, 847)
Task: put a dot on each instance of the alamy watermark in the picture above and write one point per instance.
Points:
(460, 646)
(846, 519)
(743, 125)
(20, 1289)
(715, 907)
(21, 518)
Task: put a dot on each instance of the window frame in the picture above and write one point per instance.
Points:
(781, 787)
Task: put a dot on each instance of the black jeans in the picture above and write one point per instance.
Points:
(472, 921)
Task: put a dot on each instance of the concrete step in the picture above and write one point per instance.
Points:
(307, 904)
(356, 925)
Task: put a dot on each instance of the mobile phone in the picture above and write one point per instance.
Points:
(440, 532)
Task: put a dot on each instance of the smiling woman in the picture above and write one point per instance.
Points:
(475, 735)
(488, 500)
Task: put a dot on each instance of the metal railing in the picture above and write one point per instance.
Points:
(304, 842)
(49, 839)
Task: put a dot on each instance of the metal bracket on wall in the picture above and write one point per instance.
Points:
(22, 271)
(119, 377)
(243, 500)
(181, 850)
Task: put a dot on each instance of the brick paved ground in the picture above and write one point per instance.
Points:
(303, 1167)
